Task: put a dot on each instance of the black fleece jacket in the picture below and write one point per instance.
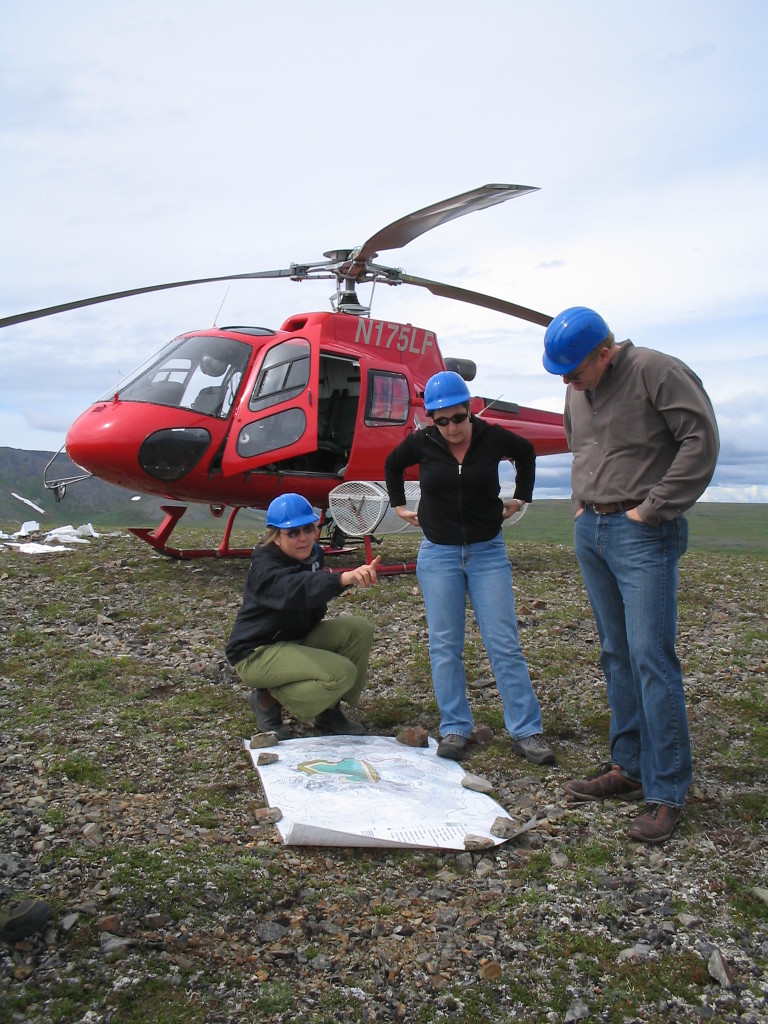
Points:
(283, 599)
(460, 502)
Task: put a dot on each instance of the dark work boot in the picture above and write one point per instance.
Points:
(269, 714)
(21, 918)
(333, 722)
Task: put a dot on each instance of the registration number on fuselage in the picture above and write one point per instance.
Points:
(402, 337)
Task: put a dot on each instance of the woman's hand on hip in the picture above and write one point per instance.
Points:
(407, 514)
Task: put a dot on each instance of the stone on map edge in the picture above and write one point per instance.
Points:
(473, 842)
(504, 828)
(267, 758)
(476, 783)
(264, 739)
(413, 736)
(267, 815)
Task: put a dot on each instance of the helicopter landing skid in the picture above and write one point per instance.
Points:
(395, 569)
(158, 539)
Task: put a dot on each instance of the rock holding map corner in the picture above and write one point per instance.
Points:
(267, 758)
(504, 828)
(413, 736)
(472, 842)
(476, 783)
(264, 739)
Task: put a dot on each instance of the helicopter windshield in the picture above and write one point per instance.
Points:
(202, 374)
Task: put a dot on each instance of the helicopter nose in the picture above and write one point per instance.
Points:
(111, 441)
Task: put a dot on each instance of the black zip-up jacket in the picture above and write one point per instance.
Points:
(460, 502)
(283, 599)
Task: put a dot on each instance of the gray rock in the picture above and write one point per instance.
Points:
(476, 783)
(473, 842)
(267, 815)
(264, 739)
(578, 1010)
(719, 969)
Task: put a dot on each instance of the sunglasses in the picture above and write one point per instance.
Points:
(297, 531)
(443, 421)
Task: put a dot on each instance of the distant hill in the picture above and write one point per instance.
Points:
(714, 526)
(91, 501)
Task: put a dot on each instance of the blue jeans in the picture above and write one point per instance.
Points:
(631, 574)
(446, 574)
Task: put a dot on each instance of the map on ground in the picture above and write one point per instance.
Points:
(372, 791)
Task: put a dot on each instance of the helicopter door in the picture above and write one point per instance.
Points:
(277, 417)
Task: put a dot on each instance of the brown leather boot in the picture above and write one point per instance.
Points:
(606, 782)
(655, 824)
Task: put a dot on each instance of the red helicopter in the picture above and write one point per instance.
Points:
(233, 416)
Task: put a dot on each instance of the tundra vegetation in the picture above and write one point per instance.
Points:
(128, 802)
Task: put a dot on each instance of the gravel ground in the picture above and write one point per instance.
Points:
(129, 803)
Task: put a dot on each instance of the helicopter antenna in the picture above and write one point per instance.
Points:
(489, 406)
(218, 311)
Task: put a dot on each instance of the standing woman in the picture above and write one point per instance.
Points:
(463, 553)
(282, 646)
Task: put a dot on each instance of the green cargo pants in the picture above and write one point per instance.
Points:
(310, 675)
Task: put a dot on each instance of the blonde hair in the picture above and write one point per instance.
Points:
(270, 536)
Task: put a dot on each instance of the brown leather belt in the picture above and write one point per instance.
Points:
(612, 508)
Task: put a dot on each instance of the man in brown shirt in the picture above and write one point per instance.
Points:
(645, 443)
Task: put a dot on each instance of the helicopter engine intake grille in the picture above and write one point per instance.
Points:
(360, 507)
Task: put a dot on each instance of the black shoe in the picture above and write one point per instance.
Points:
(333, 722)
(20, 918)
(269, 719)
(452, 746)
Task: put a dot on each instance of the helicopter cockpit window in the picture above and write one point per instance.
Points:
(284, 374)
(202, 374)
(388, 398)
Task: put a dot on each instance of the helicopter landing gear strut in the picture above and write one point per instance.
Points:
(158, 538)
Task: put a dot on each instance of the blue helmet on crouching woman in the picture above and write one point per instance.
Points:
(445, 389)
(289, 510)
(570, 337)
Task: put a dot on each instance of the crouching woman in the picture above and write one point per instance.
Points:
(281, 644)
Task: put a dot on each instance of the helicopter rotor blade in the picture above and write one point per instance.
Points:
(400, 232)
(449, 291)
(35, 314)
(353, 265)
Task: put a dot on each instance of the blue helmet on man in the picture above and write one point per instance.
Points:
(289, 510)
(570, 337)
(445, 389)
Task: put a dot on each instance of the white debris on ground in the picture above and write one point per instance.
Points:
(62, 538)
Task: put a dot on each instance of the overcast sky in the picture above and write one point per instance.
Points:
(151, 142)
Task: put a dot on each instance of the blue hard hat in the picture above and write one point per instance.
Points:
(570, 338)
(290, 510)
(445, 389)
